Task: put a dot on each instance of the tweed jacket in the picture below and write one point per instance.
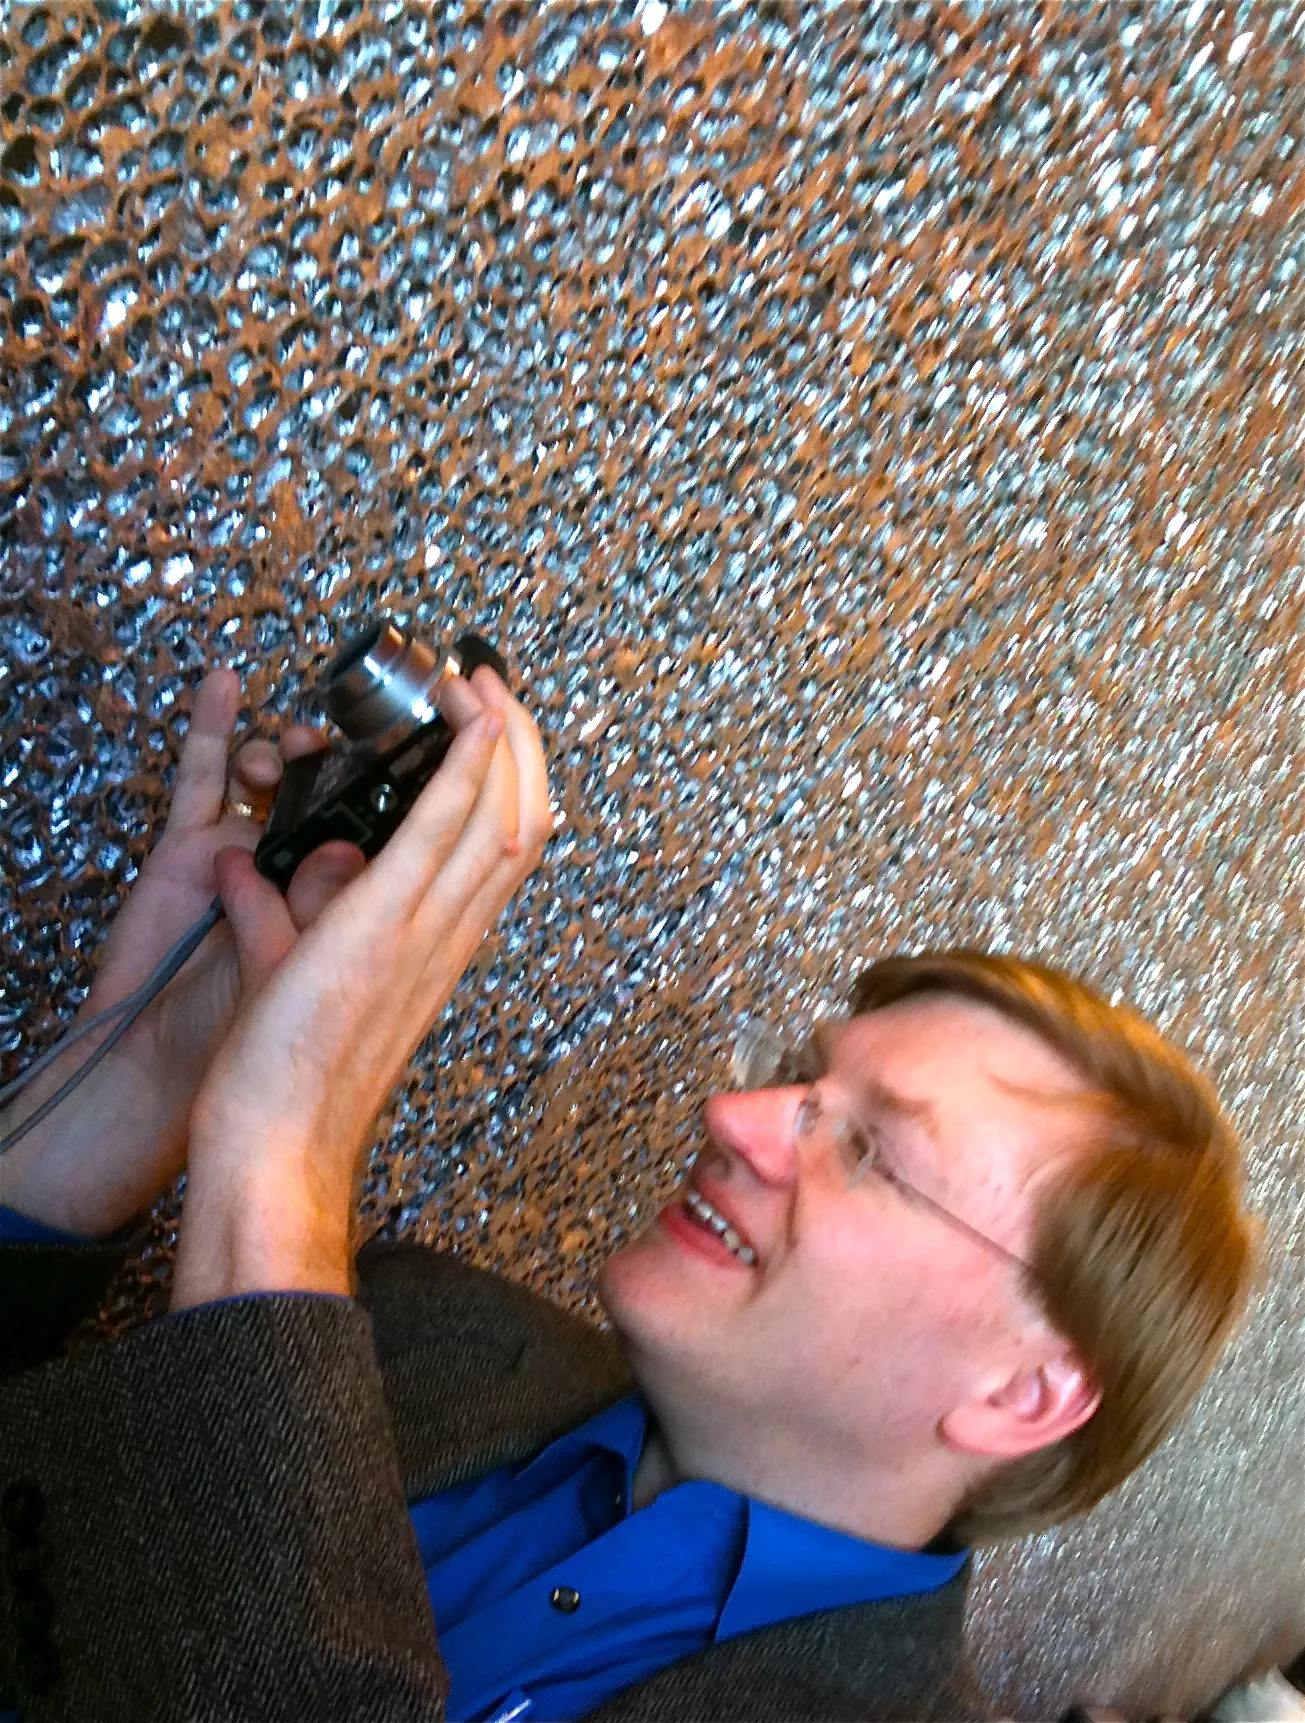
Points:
(206, 1518)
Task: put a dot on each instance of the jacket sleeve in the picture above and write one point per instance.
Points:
(46, 1289)
(204, 1519)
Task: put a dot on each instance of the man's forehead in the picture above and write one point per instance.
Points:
(955, 1034)
(967, 1063)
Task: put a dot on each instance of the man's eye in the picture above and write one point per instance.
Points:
(868, 1156)
(865, 1148)
(801, 1064)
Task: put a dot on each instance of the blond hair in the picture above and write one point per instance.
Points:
(1142, 1254)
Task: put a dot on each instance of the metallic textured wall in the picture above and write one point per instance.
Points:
(876, 434)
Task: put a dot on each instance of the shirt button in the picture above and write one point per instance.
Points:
(565, 1598)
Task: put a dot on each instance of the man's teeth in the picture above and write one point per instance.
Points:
(721, 1227)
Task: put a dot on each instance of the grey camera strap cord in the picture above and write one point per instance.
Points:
(127, 1010)
(596, 1013)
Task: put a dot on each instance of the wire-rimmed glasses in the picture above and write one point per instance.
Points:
(764, 1060)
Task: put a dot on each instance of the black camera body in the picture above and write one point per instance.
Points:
(380, 689)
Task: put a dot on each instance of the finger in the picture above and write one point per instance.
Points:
(202, 768)
(449, 955)
(488, 858)
(459, 700)
(505, 834)
(260, 922)
(450, 944)
(484, 908)
(415, 854)
(534, 814)
(301, 739)
(535, 811)
(495, 811)
(499, 803)
(320, 878)
(252, 781)
(490, 686)
(256, 767)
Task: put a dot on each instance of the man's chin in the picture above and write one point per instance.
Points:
(614, 1267)
(635, 1279)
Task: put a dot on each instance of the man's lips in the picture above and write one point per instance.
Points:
(707, 1236)
(685, 1228)
(722, 1200)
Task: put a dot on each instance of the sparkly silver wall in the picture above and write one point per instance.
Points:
(875, 433)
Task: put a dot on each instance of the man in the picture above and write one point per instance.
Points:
(950, 1279)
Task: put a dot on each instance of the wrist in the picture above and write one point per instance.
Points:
(103, 1154)
(260, 1233)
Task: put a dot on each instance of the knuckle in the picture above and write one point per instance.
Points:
(534, 843)
(509, 843)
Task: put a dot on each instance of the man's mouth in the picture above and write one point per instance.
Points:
(700, 1210)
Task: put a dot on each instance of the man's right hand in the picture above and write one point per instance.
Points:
(330, 1017)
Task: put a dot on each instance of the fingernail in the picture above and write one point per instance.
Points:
(494, 728)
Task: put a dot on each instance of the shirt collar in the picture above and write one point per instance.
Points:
(790, 1565)
(621, 1429)
(794, 1566)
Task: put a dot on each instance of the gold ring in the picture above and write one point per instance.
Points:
(241, 810)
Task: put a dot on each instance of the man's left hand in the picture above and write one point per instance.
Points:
(119, 1139)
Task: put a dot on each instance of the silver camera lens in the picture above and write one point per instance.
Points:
(383, 681)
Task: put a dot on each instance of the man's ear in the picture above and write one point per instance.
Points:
(1030, 1410)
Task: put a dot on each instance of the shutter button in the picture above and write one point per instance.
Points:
(565, 1598)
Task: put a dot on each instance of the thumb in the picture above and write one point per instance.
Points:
(320, 878)
(260, 921)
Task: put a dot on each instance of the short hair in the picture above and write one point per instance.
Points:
(1143, 1257)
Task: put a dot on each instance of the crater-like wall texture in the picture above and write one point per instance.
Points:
(875, 433)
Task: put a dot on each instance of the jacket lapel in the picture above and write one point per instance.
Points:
(478, 1371)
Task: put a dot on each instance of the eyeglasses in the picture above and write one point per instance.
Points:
(762, 1060)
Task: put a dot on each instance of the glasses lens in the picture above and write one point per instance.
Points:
(758, 1053)
(763, 1058)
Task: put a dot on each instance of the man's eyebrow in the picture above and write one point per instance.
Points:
(872, 1093)
(888, 1101)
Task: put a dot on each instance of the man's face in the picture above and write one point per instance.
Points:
(866, 1318)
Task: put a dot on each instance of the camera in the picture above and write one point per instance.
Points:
(380, 690)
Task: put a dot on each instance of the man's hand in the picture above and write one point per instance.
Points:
(330, 1019)
(119, 1139)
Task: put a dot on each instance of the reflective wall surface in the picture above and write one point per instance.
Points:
(874, 432)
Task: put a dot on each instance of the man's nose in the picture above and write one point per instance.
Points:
(756, 1127)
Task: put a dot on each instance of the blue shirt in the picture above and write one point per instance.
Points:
(699, 1564)
(549, 1594)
